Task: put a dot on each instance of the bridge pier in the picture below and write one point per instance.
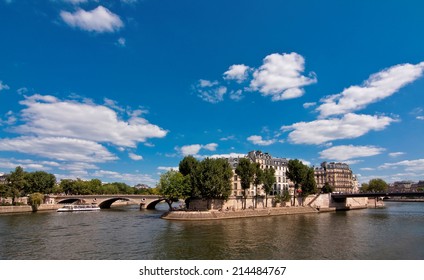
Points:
(142, 205)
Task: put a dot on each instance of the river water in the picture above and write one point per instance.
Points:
(395, 232)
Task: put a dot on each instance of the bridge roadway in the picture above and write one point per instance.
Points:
(105, 201)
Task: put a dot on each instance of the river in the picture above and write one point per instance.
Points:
(395, 232)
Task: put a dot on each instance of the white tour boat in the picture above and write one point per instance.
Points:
(78, 207)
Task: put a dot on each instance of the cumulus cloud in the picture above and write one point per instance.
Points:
(378, 86)
(3, 86)
(348, 127)
(58, 148)
(237, 72)
(49, 116)
(280, 76)
(257, 140)
(135, 157)
(347, 152)
(195, 149)
(98, 20)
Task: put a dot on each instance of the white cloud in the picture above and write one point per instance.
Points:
(210, 147)
(409, 165)
(230, 155)
(236, 95)
(309, 104)
(12, 163)
(420, 118)
(3, 86)
(348, 127)
(134, 156)
(195, 149)
(130, 178)
(190, 149)
(58, 148)
(76, 1)
(280, 76)
(207, 83)
(257, 140)
(97, 20)
(378, 86)
(237, 72)
(49, 116)
(367, 169)
(213, 94)
(396, 154)
(168, 168)
(347, 152)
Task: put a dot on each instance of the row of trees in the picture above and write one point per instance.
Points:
(211, 178)
(21, 183)
(95, 186)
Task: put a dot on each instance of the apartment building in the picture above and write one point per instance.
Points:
(337, 175)
(265, 161)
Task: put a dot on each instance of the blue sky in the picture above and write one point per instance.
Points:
(123, 90)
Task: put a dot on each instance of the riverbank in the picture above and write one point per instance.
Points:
(27, 208)
(247, 213)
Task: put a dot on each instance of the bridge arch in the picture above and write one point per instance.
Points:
(108, 202)
(71, 200)
(152, 204)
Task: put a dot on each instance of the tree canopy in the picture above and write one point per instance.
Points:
(213, 178)
(375, 185)
(268, 182)
(246, 172)
(174, 185)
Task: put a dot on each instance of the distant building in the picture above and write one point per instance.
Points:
(338, 175)
(141, 186)
(3, 179)
(401, 186)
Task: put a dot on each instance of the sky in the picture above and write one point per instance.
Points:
(123, 90)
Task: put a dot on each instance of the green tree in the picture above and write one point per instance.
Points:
(327, 188)
(68, 186)
(16, 183)
(246, 172)
(309, 186)
(364, 187)
(269, 181)
(174, 186)
(214, 178)
(35, 200)
(377, 185)
(296, 172)
(39, 181)
(188, 166)
(258, 179)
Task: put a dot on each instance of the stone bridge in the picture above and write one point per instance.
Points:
(105, 201)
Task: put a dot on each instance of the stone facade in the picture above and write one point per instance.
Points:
(337, 175)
